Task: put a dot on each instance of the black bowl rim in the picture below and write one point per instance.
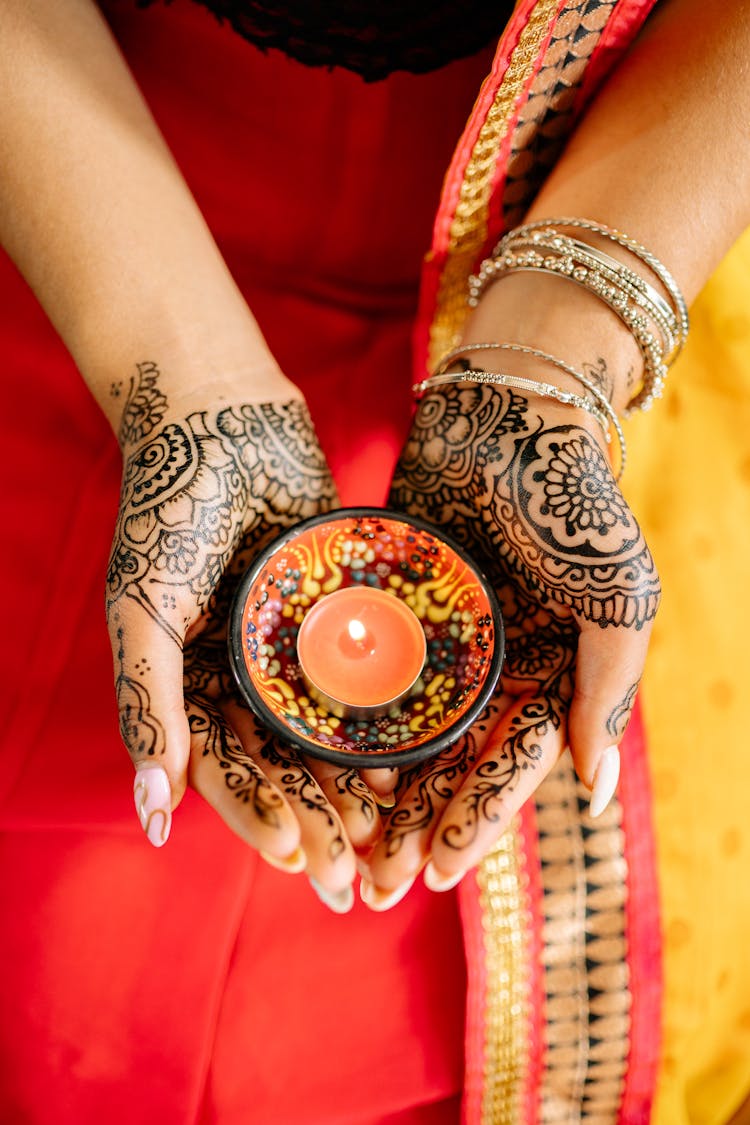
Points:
(359, 759)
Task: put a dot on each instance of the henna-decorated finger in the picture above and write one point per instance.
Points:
(609, 666)
(426, 790)
(521, 750)
(353, 800)
(228, 778)
(331, 863)
(148, 687)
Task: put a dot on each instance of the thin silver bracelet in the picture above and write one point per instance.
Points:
(541, 247)
(517, 382)
(606, 408)
(655, 265)
(580, 262)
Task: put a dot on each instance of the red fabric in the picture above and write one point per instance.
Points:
(194, 985)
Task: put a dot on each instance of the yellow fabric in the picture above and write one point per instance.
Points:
(689, 482)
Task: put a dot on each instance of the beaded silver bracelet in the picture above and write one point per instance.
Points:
(618, 291)
(658, 329)
(654, 264)
(591, 267)
(606, 410)
(516, 382)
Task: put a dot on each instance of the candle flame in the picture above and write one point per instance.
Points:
(357, 630)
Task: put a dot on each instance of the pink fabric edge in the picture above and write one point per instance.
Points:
(620, 31)
(452, 184)
(642, 927)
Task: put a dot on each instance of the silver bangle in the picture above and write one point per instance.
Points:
(517, 382)
(655, 265)
(581, 263)
(658, 329)
(606, 408)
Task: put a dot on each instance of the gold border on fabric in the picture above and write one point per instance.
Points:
(504, 910)
(468, 230)
(585, 972)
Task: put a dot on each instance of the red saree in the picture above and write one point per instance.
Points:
(195, 985)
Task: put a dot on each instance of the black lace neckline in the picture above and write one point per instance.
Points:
(371, 39)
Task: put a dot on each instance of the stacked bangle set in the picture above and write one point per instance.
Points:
(658, 324)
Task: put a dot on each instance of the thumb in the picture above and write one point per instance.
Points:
(609, 666)
(153, 724)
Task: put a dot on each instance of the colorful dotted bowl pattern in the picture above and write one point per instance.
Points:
(411, 561)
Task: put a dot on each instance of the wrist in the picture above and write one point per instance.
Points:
(550, 314)
(201, 361)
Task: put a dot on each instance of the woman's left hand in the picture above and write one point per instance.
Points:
(526, 486)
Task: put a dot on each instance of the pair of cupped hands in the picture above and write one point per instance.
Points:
(523, 484)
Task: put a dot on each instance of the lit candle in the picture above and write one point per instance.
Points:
(361, 650)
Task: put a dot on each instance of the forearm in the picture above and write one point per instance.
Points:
(663, 155)
(98, 219)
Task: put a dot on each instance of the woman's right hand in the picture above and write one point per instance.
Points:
(204, 489)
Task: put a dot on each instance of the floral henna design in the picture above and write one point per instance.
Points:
(242, 777)
(560, 521)
(349, 783)
(197, 489)
(536, 503)
(619, 717)
(298, 784)
(436, 782)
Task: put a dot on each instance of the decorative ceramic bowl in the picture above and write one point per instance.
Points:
(410, 559)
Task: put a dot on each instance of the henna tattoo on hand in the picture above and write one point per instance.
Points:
(536, 504)
(140, 729)
(619, 717)
(349, 783)
(297, 783)
(196, 489)
(242, 777)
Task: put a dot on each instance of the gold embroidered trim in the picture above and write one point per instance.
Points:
(545, 119)
(468, 230)
(584, 954)
(504, 917)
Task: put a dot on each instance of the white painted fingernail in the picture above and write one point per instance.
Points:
(153, 803)
(340, 902)
(383, 900)
(292, 864)
(605, 780)
(434, 881)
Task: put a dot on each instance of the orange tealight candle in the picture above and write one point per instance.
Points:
(361, 650)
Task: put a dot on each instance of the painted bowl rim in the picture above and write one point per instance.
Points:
(358, 759)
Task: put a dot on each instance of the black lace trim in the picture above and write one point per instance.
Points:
(372, 39)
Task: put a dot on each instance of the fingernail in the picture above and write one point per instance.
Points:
(383, 900)
(153, 803)
(605, 780)
(388, 802)
(340, 902)
(292, 864)
(434, 881)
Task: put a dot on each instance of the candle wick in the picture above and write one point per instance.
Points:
(357, 630)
